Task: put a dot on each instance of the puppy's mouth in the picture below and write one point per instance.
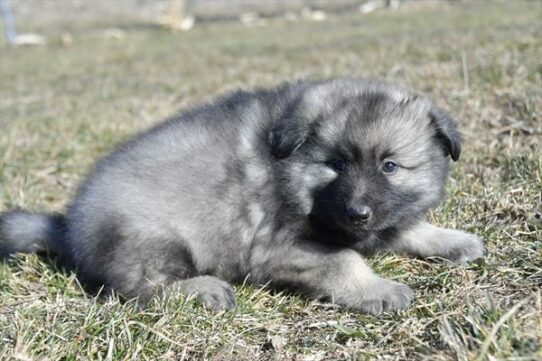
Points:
(357, 226)
(370, 226)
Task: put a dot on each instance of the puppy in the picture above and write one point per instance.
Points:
(288, 187)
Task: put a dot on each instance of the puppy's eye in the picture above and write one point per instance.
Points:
(337, 165)
(390, 167)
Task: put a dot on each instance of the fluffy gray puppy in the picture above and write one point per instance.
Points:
(288, 187)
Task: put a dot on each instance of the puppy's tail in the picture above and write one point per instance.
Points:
(24, 232)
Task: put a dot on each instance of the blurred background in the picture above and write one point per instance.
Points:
(172, 13)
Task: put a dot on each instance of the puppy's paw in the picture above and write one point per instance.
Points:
(385, 296)
(462, 247)
(211, 292)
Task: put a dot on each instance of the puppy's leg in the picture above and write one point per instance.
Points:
(427, 240)
(155, 267)
(339, 276)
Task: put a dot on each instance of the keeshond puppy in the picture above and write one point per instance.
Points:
(288, 187)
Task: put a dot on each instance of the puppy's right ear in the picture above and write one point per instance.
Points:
(287, 136)
(447, 132)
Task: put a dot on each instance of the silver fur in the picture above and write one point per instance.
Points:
(261, 186)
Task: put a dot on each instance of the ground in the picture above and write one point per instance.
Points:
(64, 104)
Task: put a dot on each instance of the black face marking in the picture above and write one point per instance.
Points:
(337, 165)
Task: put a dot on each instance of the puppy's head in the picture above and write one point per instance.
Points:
(363, 156)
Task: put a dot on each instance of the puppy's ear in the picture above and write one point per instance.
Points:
(287, 136)
(447, 132)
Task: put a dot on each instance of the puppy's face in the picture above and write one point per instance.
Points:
(369, 160)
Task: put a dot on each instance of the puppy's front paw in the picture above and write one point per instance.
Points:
(385, 296)
(211, 292)
(462, 247)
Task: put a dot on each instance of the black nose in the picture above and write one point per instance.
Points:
(359, 214)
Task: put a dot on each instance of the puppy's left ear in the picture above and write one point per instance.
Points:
(447, 132)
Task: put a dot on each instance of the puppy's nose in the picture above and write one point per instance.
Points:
(359, 214)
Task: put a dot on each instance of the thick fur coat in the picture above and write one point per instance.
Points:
(288, 187)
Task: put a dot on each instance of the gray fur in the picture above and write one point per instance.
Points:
(426, 240)
(256, 186)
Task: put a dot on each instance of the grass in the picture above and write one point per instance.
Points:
(63, 105)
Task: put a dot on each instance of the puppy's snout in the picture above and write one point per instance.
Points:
(359, 214)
